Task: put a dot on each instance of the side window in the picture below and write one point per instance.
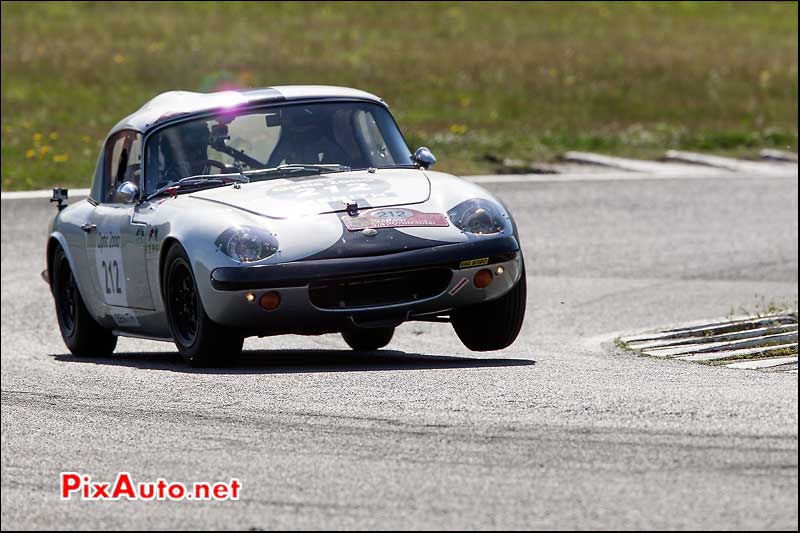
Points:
(122, 162)
(372, 139)
(114, 149)
(133, 168)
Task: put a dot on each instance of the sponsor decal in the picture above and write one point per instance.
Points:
(338, 187)
(474, 262)
(394, 217)
(152, 247)
(457, 288)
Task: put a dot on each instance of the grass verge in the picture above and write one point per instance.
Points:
(519, 80)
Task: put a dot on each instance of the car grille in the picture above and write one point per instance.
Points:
(379, 289)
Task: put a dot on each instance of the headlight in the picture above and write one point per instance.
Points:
(479, 216)
(246, 244)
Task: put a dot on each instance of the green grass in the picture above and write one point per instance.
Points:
(526, 80)
(624, 346)
(768, 354)
(761, 307)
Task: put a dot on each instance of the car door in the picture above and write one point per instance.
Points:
(115, 242)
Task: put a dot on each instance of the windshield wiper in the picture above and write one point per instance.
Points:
(298, 167)
(335, 167)
(243, 175)
(224, 179)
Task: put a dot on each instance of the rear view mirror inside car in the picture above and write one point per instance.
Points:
(274, 119)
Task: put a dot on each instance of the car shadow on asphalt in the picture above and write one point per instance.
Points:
(299, 361)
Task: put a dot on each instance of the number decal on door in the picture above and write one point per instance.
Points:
(111, 275)
(110, 267)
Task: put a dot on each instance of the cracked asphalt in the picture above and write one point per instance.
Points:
(558, 431)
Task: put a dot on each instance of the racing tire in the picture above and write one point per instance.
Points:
(200, 341)
(368, 339)
(495, 324)
(81, 333)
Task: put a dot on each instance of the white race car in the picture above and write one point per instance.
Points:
(214, 217)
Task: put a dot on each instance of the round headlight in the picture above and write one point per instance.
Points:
(479, 216)
(246, 245)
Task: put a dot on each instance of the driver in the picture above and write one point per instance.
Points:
(306, 138)
(185, 151)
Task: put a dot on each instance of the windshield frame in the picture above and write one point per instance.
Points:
(255, 107)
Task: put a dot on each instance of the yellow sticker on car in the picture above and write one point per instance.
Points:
(473, 262)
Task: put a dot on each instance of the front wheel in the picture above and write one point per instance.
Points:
(368, 339)
(495, 324)
(81, 333)
(200, 341)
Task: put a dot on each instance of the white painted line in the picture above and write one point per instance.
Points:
(779, 155)
(763, 363)
(29, 195)
(700, 338)
(781, 368)
(722, 355)
(755, 342)
(732, 319)
(737, 165)
(701, 327)
(783, 318)
(548, 178)
(640, 165)
(604, 176)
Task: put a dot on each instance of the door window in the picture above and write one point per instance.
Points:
(122, 162)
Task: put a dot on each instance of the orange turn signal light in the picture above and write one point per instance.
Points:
(482, 278)
(270, 301)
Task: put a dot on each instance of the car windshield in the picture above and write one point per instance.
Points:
(317, 137)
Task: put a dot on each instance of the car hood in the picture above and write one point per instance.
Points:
(325, 193)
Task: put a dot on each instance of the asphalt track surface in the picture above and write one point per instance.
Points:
(557, 431)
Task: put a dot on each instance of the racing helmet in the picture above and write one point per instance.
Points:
(306, 137)
(185, 149)
(193, 140)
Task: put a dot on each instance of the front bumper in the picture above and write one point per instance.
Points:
(297, 313)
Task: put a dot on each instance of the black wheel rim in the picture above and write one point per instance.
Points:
(183, 308)
(67, 298)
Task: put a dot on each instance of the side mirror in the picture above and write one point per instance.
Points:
(127, 193)
(423, 158)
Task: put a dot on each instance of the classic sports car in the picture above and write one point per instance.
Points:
(298, 209)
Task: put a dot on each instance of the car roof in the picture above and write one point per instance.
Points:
(173, 104)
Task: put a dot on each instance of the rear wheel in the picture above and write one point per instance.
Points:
(492, 325)
(200, 341)
(368, 339)
(81, 333)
